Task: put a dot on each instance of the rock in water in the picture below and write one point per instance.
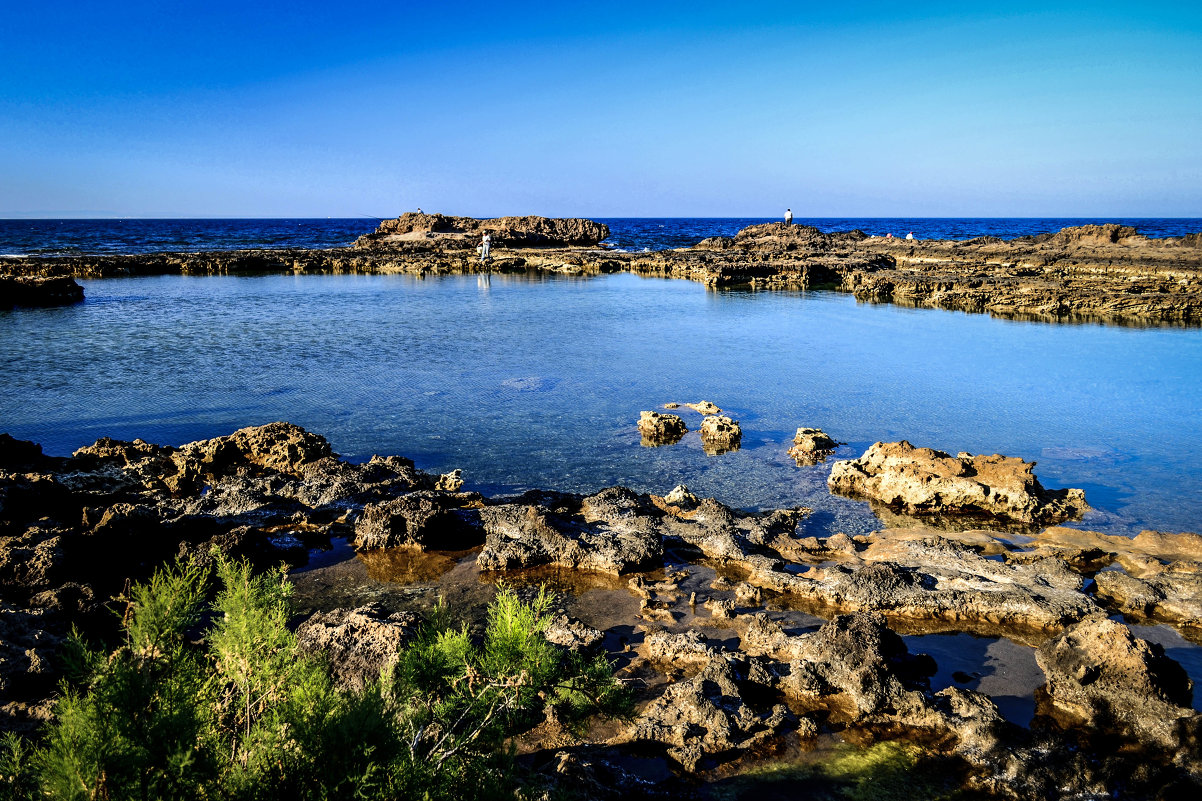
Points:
(811, 446)
(463, 232)
(922, 480)
(720, 434)
(661, 429)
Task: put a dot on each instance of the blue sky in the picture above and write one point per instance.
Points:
(600, 109)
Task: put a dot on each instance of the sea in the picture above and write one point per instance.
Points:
(113, 236)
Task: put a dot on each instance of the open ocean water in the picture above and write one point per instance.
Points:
(76, 237)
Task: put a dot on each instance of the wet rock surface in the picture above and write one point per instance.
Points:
(34, 291)
(811, 446)
(720, 434)
(661, 429)
(737, 633)
(923, 480)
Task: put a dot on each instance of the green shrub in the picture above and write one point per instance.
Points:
(235, 711)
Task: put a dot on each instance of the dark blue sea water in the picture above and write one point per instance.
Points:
(69, 237)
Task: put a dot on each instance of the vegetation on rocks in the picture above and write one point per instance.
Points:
(212, 699)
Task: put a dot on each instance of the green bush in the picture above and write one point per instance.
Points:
(234, 711)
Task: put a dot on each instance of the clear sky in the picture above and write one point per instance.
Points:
(320, 109)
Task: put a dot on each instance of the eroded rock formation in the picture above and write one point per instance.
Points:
(923, 480)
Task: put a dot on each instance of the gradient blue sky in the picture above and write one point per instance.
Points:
(600, 109)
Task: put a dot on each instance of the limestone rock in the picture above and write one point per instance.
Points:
(706, 716)
(704, 407)
(1100, 674)
(922, 480)
(811, 446)
(661, 429)
(32, 291)
(425, 519)
(720, 434)
(607, 533)
(358, 643)
(466, 232)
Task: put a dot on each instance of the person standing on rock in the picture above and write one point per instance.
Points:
(788, 217)
(485, 243)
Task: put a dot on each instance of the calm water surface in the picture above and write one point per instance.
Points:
(538, 383)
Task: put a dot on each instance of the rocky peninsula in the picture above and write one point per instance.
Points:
(740, 638)
(1107, 273)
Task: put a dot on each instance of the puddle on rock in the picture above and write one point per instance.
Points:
(994, 666)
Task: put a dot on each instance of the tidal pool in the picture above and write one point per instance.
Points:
(538, 381)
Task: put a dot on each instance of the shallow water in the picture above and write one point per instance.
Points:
(537, 382)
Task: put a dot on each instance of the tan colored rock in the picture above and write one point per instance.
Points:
(811, 446)
(704, 407)
(1172, 597)
(923, 480)
(661, 429)
(1101, 675)
(720, 434)
(528, 231)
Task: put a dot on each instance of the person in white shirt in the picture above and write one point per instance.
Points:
(910, 235)
(484, 245)
(788, 217)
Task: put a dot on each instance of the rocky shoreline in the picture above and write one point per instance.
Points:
(1103, 273)
(722, 675)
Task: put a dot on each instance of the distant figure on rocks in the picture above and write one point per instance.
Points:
(788, 217)
(888, 236)
(485, 243)
(419, 209)
(910, 235)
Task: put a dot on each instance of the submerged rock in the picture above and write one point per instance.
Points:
(923, 480)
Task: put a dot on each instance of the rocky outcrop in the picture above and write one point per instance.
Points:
(509, 232)
(707, 716)
(1100, 675)
(811, 446)
(922, 480)
(33, 291)
(609, 532)
(661, 429)
(1173, 597)
(720, 434)
(358, 644)
(424, 519)
(1086, 273)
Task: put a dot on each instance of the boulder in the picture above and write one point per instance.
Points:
(425, 519)
(1100, 675)
(922, 480)
(720, 434)
(661, 429)
(1174, 597)
(359, 644)
(811, 446)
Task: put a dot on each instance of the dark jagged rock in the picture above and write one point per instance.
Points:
(424, 519)
(609, 532)
(32, 291)
(1101, 675)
